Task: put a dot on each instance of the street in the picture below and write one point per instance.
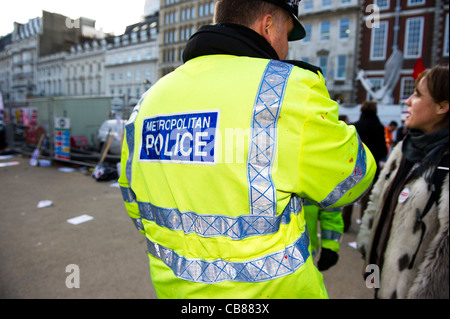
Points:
(43, 256)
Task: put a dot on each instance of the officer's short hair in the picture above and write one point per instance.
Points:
(243, 12)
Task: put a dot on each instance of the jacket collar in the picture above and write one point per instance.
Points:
(229, 39)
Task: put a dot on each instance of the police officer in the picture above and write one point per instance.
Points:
(219, 152)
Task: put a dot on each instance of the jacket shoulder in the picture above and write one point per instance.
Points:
(305, 65)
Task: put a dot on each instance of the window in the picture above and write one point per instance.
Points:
(323, 63)
(326, 3)
(379, 42)
(415, 2)
(341, 67)
(325, 30)
(382, 4)
(414, 37)
(445, 50)
(344, 28)
(308, 29)
(406, 88)
(308, 5)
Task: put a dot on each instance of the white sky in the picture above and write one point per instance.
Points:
(111, 15)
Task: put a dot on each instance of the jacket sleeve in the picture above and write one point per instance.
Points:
(336, 168)
(128, 195)
(332, 228)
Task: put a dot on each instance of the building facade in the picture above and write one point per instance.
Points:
(331, 39)
(33, 56)
(20, 56)
(418, 29)
(131, 65)
(178, 20)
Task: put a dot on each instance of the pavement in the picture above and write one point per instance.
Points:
(43, 256)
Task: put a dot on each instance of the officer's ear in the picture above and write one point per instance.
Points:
(265, 27)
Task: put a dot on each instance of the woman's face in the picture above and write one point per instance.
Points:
(422, 110)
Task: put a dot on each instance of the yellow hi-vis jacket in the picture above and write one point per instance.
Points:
(216, 157)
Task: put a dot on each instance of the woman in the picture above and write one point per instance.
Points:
(405, 227)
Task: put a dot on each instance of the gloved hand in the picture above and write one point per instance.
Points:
(328, 258)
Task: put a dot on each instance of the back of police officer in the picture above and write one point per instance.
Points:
(219, 152)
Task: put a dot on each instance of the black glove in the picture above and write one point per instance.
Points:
(328, 258)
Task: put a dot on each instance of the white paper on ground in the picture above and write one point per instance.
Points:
(9, 164)
(44, 203)
(80, 219)
(353, 244)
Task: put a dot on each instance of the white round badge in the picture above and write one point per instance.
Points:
(404, 194)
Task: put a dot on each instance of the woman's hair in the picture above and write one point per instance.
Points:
(243, 12)
(369, 107)
(437, 85)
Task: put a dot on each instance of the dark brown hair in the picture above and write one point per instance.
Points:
(369, 107)
(437, 82)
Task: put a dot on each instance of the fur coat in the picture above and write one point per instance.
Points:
(428, 277)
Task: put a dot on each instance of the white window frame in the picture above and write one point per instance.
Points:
(340, 28)
(445, 48)
(338, 66)
(322, 31)
(407, 39)
(385, 7)
(385, 25)
(404, 96)
(418, 3)
(324, 68)
(308, 29)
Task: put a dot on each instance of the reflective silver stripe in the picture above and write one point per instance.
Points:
(266, 111)
(357, 175)
(138, 223)
(268, 267)
(130, 130)
(331, 235)
(218, 225)
(128, 195)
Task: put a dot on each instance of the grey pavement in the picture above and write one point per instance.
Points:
(38, 245)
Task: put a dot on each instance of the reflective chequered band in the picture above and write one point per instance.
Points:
(211, 225)
(130, 132)
(268, 267)
(128, 195)
(357, 175)
(331, 235)
(235, 228)
(266, 110)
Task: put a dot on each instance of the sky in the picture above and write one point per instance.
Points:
(110, 15)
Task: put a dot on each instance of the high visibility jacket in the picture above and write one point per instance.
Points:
(328, 222)
(216, 158)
